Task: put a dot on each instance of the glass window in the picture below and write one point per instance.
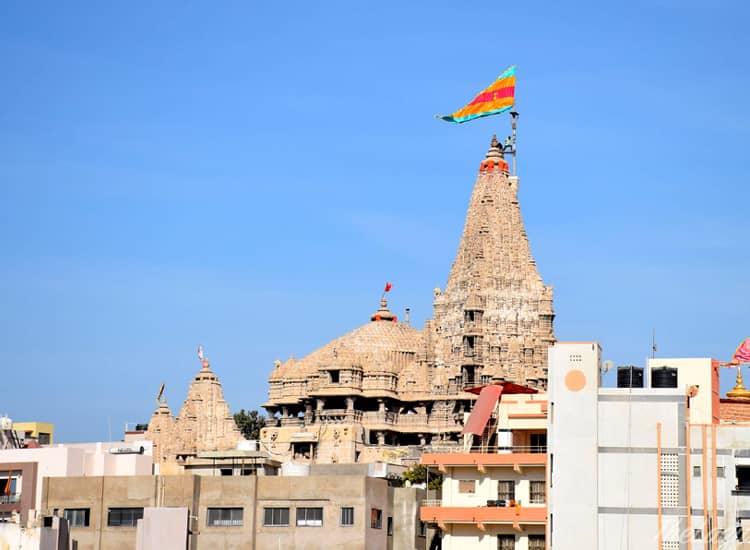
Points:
(536, 542)
(698, 534)
(77, 517)
(538, 443)
(696, 471)
(506, 542)
(224, 517)
(44, 438)
(506, 490)
(376, 518)
(124, 517)
(467, 486)
(275, 517)
(422, 529)
(309, 517)
(389, 526)
(720, 471)
(537, 491)
(347, 516)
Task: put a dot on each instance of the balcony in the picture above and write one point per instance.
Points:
(10, 499)
(338, 416)
(432, 511)
(516, 458)
(388, 418)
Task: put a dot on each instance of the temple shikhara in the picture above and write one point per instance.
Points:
(386, 388)
(204, 423)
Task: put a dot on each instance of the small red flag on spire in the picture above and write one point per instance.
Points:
(388, 286)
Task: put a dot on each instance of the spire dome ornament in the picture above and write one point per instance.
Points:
(739, 391)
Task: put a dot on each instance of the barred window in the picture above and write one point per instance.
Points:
(309, 517)
(77, 517)
(506, 490)
(224, 517)
(537, 491)
(537, 542)
(347, 516)
(275, 517)
(124, 517)
(506, 542)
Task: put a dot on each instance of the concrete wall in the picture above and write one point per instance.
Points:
(252, 494)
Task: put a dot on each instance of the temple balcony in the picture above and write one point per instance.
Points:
(387, 418)
(338, 416)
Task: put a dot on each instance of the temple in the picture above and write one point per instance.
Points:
(386, 389)
(205, 422)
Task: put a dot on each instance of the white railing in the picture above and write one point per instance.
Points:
(516, 449)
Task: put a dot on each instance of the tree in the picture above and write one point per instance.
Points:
(250, 423)
(418, 474)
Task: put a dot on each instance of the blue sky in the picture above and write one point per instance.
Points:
(247, 176)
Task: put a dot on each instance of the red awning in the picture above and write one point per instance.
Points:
(483, 408)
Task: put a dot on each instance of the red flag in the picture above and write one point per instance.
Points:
(7, 485)
(388, 286)
(742, 353)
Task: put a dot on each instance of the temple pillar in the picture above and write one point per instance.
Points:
(381, 438)
(349, 404)
(422, 440)
(319, 404)
(381, 406)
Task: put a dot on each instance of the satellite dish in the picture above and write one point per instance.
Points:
(608, 365)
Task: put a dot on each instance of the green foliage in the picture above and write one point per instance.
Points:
(250, 423)
(418, 474)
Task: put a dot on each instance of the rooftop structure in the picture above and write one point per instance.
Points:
(386, 389)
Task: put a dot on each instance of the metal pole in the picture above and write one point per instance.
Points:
(513, 124)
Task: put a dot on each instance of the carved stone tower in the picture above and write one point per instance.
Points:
(494, 319)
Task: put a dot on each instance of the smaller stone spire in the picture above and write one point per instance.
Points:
(739, 390)
(383, 314)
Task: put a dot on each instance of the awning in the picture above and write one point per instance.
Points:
(483, 408)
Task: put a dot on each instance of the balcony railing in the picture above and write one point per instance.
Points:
(338, 415)
(10, 499)
(520, 449)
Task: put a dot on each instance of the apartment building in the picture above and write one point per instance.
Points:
(494, 486)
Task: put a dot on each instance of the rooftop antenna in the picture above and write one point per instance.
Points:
(653, 343)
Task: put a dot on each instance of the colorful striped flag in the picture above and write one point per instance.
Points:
(493, 100)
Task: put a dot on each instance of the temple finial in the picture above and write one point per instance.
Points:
(739, 390)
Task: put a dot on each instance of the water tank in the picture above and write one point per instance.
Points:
(295, 469)
(6, 423)
(663, 377)
(630, 377)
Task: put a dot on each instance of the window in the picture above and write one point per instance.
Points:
(226, 471)
(696, 471)
(389, 526)
(743, 478)
(506, 490)
(347, 516)
(720, 471)
(376, 518)
(422, 529)
(506, 542)
(536, 493)
(6, 517)
(124, 517)
(43, 438)
(698, 534)
(77, 517)
(334, 376)
(467, 486)
(224, 517)
(276, 517)
(538, 443)
(309, 517)
(536, 542)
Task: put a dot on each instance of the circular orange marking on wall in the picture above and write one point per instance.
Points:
(575, 380)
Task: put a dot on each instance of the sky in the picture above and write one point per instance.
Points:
(248, 175)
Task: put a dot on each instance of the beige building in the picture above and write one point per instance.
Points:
(386, 389)
(242, 512)
(205, 423)
(494, 493)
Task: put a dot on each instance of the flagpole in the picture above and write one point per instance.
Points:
(513, 124)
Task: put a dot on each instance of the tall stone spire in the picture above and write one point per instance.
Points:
(494, 319)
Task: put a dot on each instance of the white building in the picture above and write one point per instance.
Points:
(620, 473)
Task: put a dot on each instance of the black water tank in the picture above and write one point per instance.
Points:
(663, 377)
(630, 377)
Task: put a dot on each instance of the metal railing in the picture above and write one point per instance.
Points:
(515, 449)
(10, 499)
